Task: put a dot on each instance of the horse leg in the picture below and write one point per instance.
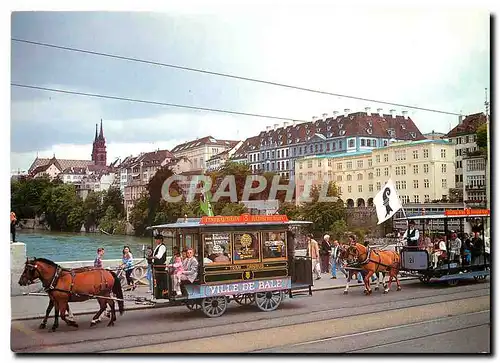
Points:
(397, 283)
(346, 291)
(377, 275)
(384, 282)
(388, 284)
(47, 312)
(70, 314)
(102, 307)
(111, 304)
(63, 305)
(56, 316)
(367, 282)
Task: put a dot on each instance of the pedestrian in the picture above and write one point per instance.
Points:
(335, 257)
(13, 222)
(149, 273)
(313, 252)
(127, 262)
(98, 259)
(325, 252)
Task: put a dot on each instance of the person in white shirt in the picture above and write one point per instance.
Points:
(411, 235)
(159, 259)
(455, 247)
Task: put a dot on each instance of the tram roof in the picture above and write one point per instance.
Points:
(196, 223)
(442, 216)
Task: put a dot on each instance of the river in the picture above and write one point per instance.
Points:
(61, 246)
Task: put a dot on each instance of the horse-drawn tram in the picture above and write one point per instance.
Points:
(249, 259)
(444, 255)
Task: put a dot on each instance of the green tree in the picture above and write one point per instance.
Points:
(240, 173)
(63, 208)
(234, 209)
(323, 214)
(291, 210)
(338, 229)
(110, 221)
(26, 196)
(113, 198)
(154, 189)
(93, 209)
(482, 138)
(139, 214)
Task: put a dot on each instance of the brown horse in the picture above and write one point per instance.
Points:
(64, 285)
(373, 261)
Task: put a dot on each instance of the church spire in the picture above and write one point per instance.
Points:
(101, 135)
(95, 138)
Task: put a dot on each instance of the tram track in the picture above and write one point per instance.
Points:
(230, 324)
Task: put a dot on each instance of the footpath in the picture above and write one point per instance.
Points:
(26, 307)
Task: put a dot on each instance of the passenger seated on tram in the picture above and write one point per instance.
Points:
(455, 247)
(206, 259)
(439, 254)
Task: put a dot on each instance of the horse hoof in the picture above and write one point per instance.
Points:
(52, 330)
(399, 288)
(42, 326)
(111, 323)
(376, 289)
(346, 292)
(92, 324)
(386, 292)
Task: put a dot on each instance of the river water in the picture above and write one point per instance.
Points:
(60, 246)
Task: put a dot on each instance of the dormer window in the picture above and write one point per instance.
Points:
(369, 131)
(351, 117)
(342, 132)
(370, 124)
(413, 135)
(403, 126)
(341, 125)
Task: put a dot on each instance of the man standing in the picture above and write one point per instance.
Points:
(190, 271)
(13, 221)
(325, 252)
(455, 247)
(476, 249)
(159, 273)
(313, 252)
(411, 235)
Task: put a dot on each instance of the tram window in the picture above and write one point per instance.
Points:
(246, 247)
(273, 245)
(191, 241)
(217, 247)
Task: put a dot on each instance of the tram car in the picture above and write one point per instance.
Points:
(438, 262)
(249, 259)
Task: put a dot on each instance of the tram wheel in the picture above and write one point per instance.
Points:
(214, 307)
(269, 300)
(453, 282)
(424, 279)
(244, 299)
(194, 305)
(480, 278)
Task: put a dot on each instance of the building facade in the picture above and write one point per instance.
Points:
(199, 151)
(423, 171)
(217, 161)
(279, 147)
(463, 136)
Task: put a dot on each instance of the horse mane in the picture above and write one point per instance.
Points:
(48, 262)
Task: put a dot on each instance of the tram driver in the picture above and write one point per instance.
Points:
(411, 235)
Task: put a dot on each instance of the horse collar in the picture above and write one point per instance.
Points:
(54, 279)
(368, 251)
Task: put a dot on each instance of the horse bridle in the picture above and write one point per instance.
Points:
(52, 282)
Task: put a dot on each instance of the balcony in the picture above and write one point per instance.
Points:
(475, 187)
(475, 154)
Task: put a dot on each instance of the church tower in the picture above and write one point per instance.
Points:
(99, 148)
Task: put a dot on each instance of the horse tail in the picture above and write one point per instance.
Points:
(117, 290)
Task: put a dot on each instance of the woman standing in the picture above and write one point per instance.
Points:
(149, 273)
(127, 261)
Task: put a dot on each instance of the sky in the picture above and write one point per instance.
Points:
(438, 59)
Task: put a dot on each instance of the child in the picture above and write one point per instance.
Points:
(177, 266)
(98, 259)
(149, 273)
(127, 261)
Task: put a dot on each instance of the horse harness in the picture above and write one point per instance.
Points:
(377, 263)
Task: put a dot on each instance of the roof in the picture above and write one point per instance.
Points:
(73, 170)
(365, 152)
(193, 223)
(441, 216)
(252, 143)
(468, 126)
(63, 163)
(207, 140)
(354, 124)
(219, 155)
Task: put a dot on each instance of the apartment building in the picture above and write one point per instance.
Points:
(279, 147)
(423, 171)
(135, 173)
(463, 136)
(199, 151)
(217, 161)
